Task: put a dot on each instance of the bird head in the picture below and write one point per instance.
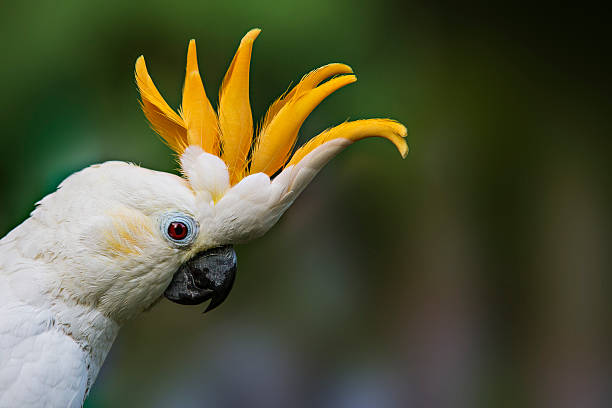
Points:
(156, 233)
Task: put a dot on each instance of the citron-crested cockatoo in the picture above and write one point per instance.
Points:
(115, 237)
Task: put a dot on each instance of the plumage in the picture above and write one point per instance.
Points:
(106, 245)
(278, 137)
(357, 130)
(280, 125)
(308, 82)
(162, 118)
(235, 119)
(197, 112)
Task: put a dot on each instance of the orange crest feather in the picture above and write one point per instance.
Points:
(229, 134)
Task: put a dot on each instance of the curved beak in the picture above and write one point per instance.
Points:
(208, 275)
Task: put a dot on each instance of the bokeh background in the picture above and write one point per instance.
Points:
(475, 273)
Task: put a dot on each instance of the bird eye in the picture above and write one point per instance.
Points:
(179, 228)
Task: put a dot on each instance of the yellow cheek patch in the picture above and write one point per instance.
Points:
(127, 233)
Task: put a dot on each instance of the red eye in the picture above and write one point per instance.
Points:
(177, 230)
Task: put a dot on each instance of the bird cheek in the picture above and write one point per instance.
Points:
(123, 233)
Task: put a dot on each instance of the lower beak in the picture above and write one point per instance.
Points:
(208, 275)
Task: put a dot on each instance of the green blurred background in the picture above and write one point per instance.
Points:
(473, 273)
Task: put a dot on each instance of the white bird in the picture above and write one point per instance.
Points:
(115, 238)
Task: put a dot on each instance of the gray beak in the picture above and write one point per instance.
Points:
(208, 275)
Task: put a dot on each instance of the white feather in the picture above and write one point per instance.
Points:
(206, 172)
(92, 256)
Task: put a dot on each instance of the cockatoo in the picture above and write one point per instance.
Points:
(115, 237)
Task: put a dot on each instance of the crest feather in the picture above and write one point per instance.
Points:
(357, 130)
(277, 138)
(167, 123)
(308, 81)
(235, 118)
(197, 112)
(228, 135)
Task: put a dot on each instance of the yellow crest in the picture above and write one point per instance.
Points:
(228, 133)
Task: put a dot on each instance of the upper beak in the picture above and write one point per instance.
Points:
(208, 275)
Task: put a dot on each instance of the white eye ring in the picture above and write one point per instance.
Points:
(167, 221)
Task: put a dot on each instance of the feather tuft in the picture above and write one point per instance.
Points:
(228, 134)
